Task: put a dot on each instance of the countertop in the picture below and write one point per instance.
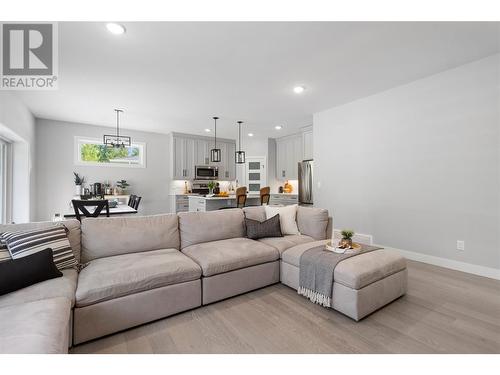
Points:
(249, 196)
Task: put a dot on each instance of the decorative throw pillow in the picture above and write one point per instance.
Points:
(26, 271)
(27, 242)
(4, 253)
(287, 214)
(268, 228)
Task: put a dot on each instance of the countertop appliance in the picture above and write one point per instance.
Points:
(305, 182)
(206, 172)
(200, 187)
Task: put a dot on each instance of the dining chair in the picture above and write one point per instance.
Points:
(136, 202)
(265, 195)
(241, 198)
(80, 207)
(131, 200)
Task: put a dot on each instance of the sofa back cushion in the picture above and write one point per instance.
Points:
(104, 237)
(255, 213)
(199, 227)
(312, 222)
(72, 230)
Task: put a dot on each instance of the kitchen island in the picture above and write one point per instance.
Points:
(200, 203)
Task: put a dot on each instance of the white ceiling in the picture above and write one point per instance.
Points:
(175, 76)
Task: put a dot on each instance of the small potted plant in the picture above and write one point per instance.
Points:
(211, 185)
(122, 185)
(346, 240)
(79, 181)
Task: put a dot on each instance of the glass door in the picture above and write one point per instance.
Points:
(256, 174)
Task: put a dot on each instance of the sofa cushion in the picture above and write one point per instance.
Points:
(29, 270)
(72, 230)
(40, 327)
(312, 221)
(22, 243)
(284, 243)
(358, 271)
(288, 217)
(226, 255)
(255, 213)
(362, 270)
(112, 277)
(64, 286)
(104, 237)
(199, 227)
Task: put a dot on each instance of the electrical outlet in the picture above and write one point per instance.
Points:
(461, 245)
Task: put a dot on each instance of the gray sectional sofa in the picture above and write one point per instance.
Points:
(140, 269)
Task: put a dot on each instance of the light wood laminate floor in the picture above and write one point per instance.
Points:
(444, 311)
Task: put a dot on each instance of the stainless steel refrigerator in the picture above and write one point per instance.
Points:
(306, 182)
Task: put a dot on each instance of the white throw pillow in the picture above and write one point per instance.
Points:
(288, 216)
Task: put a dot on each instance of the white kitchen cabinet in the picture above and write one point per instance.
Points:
(183, 158)
(202, 152)
(307, 143)
(288, 154)
(283, 199)
(227, 165)
(191, 150)
(230, 164)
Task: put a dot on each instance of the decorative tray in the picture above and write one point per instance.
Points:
(355, 247)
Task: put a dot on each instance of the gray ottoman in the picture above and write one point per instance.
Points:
(362, 284)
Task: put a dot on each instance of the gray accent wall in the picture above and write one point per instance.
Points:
(417, 166)
(55, 165)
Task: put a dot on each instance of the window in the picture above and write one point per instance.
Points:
(90, 151)
(5, 182)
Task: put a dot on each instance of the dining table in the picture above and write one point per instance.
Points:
(121, 209)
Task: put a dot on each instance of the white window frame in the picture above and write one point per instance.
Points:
(83, 140)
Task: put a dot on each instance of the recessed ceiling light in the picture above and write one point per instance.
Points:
(298, 89)
(250, 134)
(208, 130)
(115, 28)
(278, 127)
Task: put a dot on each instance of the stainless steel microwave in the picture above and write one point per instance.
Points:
(206, 172)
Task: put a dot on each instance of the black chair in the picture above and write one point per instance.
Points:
(136, 202)
(131, 200)
(80, 208)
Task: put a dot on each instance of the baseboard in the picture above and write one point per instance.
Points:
(475, 269)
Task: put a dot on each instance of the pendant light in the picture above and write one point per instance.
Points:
(117, 140)
(239, 156)
(215, 153)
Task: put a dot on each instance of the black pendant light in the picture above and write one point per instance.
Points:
(239, 156)
(215, 153)
(117, 140)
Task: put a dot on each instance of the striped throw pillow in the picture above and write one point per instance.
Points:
(4, 253)
(27, 242)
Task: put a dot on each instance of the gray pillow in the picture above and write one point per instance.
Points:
(268, 228)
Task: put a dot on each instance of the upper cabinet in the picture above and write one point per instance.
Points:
(307, 143)
(288, 154)
(189, 150)
(290, 150)
(183, 158)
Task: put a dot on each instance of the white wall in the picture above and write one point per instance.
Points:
(418, 166)
(17, 125)
(55, 163)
